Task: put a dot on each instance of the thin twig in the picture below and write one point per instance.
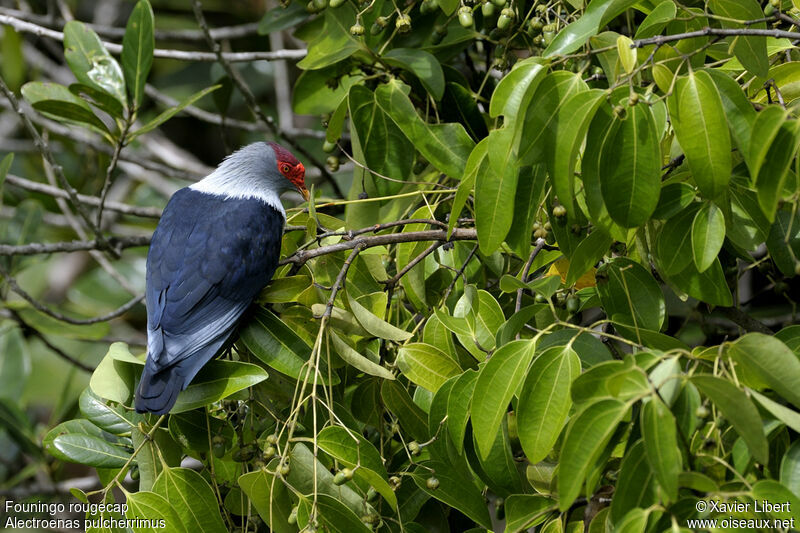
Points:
(460, 273)
(112, 165)
(722, 32)
(27, 328)
(14, 286)
(250, 99)
(526, 269)
(183, 55)
(391, 282)
(118, 243)
(125, 209)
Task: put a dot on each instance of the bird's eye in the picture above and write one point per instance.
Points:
(285, 169)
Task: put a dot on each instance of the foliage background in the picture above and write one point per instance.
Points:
(607, 339)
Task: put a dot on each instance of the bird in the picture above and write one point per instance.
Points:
(215, 247)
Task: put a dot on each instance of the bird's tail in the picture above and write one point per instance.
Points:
(158, 391)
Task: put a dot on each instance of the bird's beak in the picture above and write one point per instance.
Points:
(305, 193)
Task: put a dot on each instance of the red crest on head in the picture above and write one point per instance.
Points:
(289, 166)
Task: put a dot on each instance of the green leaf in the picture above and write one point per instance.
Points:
(458, 105)
(544, 400)
(351, 449)
(271, 498)
(422, 64)
(334, 43)
(495, 189)
(88, 450)
(57, 102)
(279, 18)
(137, 50)
(750, 50)
(709, 287)
(458, 407)
(528, 198)
(739, 410)
(634, 521)
(773, 173)
(779, 411)
(630, 295)
(111, 419)
(587, 254)
(661, 445)
(477, 163)
(630, 168)
(738, 109)
(455, 490)
(171, 112)
(339, 517)
(790, 468)
(412, 418)
(355, 359)
(764, 129)
(783, 240)
(313, 96)
(376, 326)
(657, 20)
(384, 147)
(772, 361)
(526, 510)
(114, 379)
(192, 498)
(515, 90)
(274, 343)
(150, 509)
(498, 381)
(627, 54)
(636, 485)
(697, 115)
(675, 197)
(587, 435)
(598, 13)
(285, 290)
(218, 380)
(446, 146)
(91, 63)
(191, 430)
(538, 132)
(426, 365)
(98, 98)
(708, 234)
(15, 364)
(569, 130)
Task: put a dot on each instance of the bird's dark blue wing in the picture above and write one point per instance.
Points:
(209, 258)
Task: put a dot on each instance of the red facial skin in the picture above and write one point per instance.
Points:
(292, 169)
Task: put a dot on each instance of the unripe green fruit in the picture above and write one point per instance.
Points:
(269, 452)
(701, 412)
(633, 100)
(357, 29)
(541, 8)
(547, 37)
(328, 147)
(375, 29)
(382, 21)
(319, 5)
(538, 40)
(465, 17)
(292, 520)
(503, 22)
(348, 473)
(597, 71)
(339, 479)
(775, 3)
(499, 3)
(536, 24)
(432, 483)
(272, 439)
(487, 9)
(218, 450)
(540, 233)
(311, 8)
(426, 7)
(559, 211)
(372, 494)
(335, 3)
(413, 447)
(573, 304)
(285, 469)
(332, 163)
(134, 472)
(403, 24)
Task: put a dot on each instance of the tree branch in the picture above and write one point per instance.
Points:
(27, 328)
(658, 40)
(743, 320)
(182, 55)
(119, 243)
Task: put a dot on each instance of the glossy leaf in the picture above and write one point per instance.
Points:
(412, 418)
(526, 510)
(657, 20)
(458, 406)
(150, 508)
(497, 383)
(630, 295)
(426, 365)
(764, 129)
(630, 169)
(334, 43)
(544, 400)
(192, 498)
(738, 409)
(773, 173)
(454, 490)
(108, 418)
(376, 326)
(708, 234)
(750, 50)
(515, 90)
(738, 110)
(661, 445)
(495, 189)
(137, 50)
(56, 101)
(91, 63)
(698, 118)
(422, 64)
(772, 361)
(587, 435)
(598, 13)
(270, 497)
(218, 380)
(353, 450)
(89, 450)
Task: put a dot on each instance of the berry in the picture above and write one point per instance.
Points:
(339, 479)
(382, 21)
(465, 17)
(285, 469)
(559, 211)
(269, 452)
(363, 195)
(332, 163)
(432, 483)
(633, 100)
(535, 24)
(335, 3)
(357, 29)
(573, 304)
(487, 9)
(272, 439)
(319, 5)
(328, 147)
(292, 520)
(403, 24)
(413, 447)
(701, 412)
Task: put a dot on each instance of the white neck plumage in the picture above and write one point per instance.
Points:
(240, 178)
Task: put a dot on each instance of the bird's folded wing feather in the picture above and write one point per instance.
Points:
(208, 259)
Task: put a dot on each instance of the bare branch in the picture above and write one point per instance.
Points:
(27, 328)
(22, 183)
(119, 243)
(183, 55)
(743, 320)
(720, 32)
